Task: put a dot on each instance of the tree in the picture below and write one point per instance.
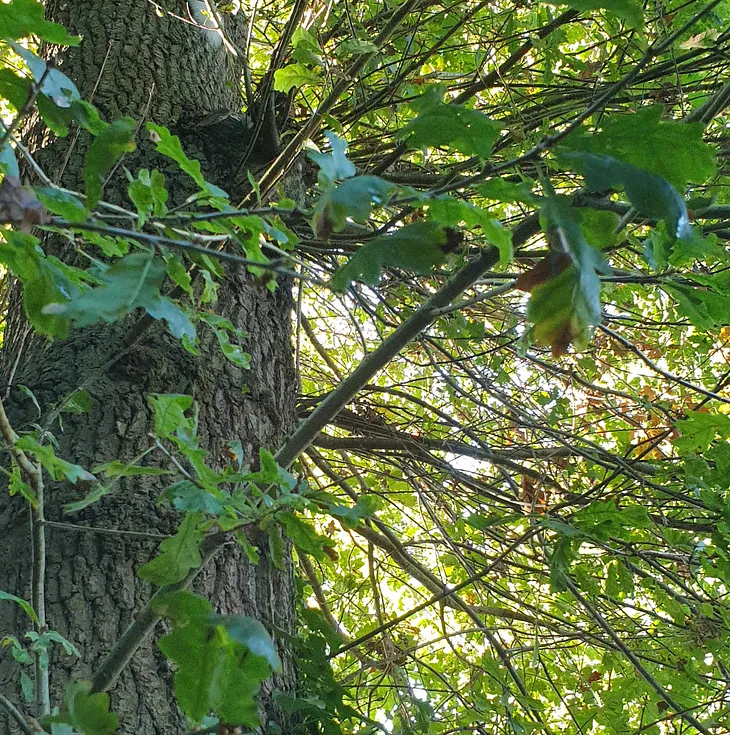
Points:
(506, 495)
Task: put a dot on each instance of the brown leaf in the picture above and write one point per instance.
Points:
(19, 207)
(552, 265)
(323, 224)
(561, 339)
(535, 498)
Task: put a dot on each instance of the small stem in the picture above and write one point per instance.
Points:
(34, 476)
(38, 595)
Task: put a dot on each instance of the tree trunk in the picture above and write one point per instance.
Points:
(150, 65)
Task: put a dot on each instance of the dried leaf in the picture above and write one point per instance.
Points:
(552, 265)
(19, 206)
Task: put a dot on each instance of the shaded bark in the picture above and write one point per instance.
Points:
(169, 71)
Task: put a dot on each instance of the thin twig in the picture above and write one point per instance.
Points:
(664, 373)
(650, 680)
(145, 621)
(33, 92)
(14, 712)
(160, 240)
(33, 474)
(390, 347)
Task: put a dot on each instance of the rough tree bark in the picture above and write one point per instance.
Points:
(152, 65)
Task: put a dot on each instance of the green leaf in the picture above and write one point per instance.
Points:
(598, 228)
(13, 88)
(619, 581)
(178, 322)
(352, 199)
(178, 273)
(304, 37)
(169, 410)
(28, 392)
(59, 119)
(418, 247)
(8, 161)
(604, 520)
(148, 194)
(365, 507)
(79, 401)
(217, 667)
(629, 10)
(22, 18)
(252, 634)
(507, 192)
(45, 642)
(43, 282)
(456, 212)
(334, 166)
(705, 308)
(178, 554)
(92, 497)
(653, 196)
(28, 688)
(304, 536)
(232, 352)
(55, 85)
(18, 486)
(85, 712)
(56, 467)
(698, 430)
(191, 648)
(26, 606)
(112, 247)
(184, 608)
(560, 561)
(169, 145)
(62, 203)
(116, 468)
(126, 285)
(189, 497)
(565, 301)
(106, 149)
(236, 681)
(454, 126)
(671, 149)
(271, 473)
(295, 75)
(131, 283)
(355, 47)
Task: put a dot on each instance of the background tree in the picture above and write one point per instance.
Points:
(163, 68)
(510, 512)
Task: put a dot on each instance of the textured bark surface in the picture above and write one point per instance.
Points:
(169, 71)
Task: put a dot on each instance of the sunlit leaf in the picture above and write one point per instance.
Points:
(439, 124)
(85, 712)
(295, 75)
(671, 149)
(21, 18)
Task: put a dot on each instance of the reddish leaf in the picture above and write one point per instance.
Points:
(553, 264)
